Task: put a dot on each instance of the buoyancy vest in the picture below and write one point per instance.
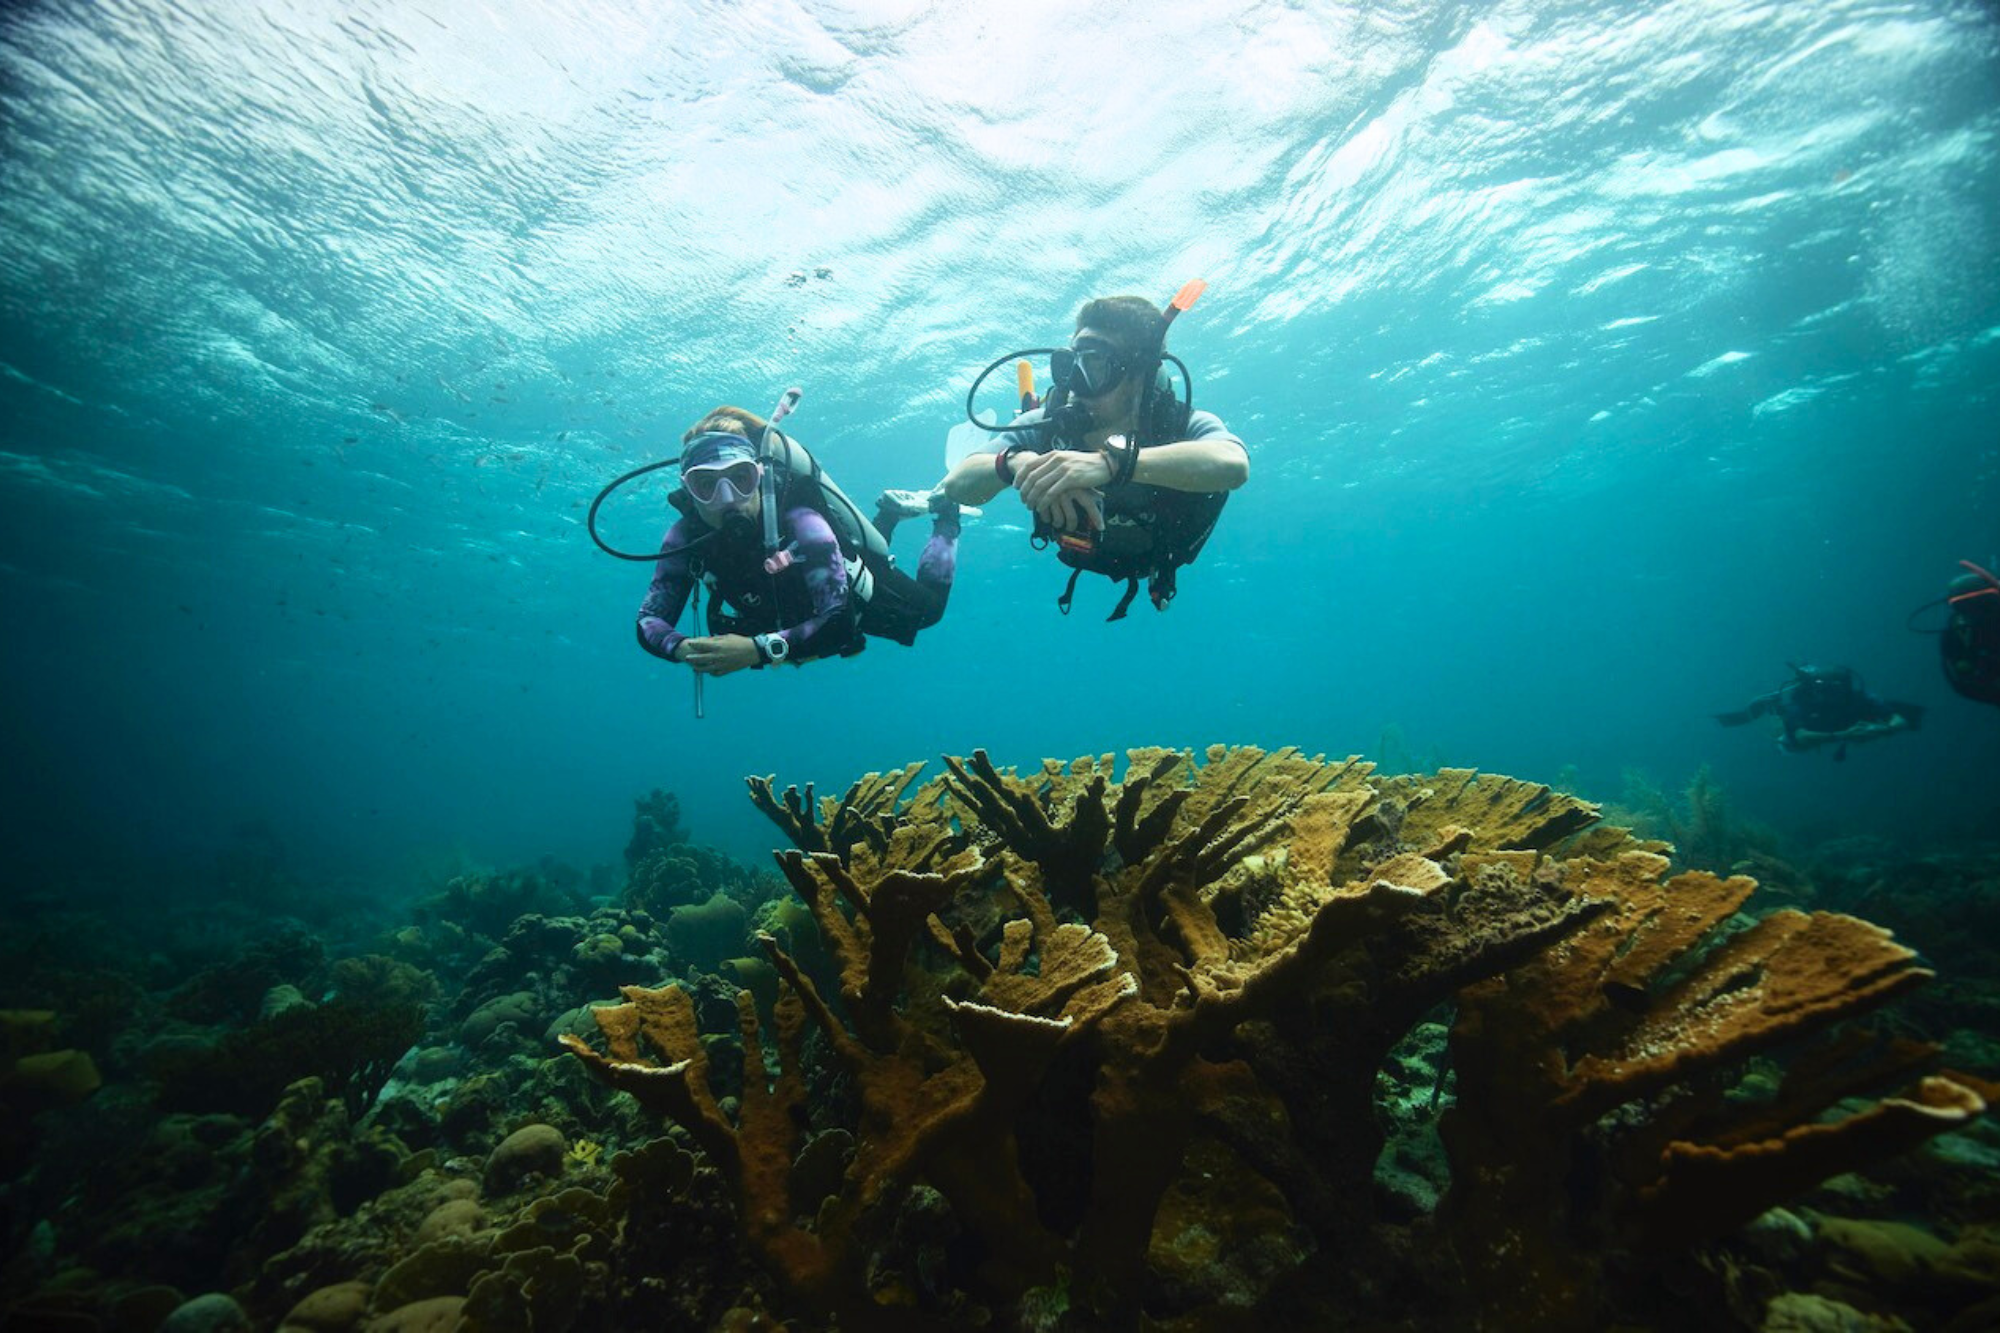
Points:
(738, 605)
(1149, 531)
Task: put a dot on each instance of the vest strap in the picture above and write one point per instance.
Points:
(1069, 592)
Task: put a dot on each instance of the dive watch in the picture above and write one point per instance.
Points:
(772, 647)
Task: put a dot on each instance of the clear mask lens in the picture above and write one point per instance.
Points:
(722, 485)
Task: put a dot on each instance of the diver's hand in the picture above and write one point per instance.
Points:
(1059, 486)
(720, 654)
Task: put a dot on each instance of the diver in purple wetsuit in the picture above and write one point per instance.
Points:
(828, 582)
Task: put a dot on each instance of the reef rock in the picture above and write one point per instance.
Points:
(532, 1150)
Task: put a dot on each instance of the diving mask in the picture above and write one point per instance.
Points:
(1096, 366)
(727, 484)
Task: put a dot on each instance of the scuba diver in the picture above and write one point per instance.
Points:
(1970, 644)
(793, 570)
(1126, 478)
(1827, 706)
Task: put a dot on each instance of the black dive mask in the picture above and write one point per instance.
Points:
(1096, 367)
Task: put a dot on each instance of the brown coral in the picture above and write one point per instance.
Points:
(1643, 1014)
(1051, 989)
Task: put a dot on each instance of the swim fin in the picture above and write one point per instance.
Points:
(966, 439)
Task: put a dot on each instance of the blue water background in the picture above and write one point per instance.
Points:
(1594, 361)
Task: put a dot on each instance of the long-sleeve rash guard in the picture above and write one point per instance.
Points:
(814, 611)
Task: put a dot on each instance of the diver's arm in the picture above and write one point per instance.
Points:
(720, 654)
(1066, 486)
(1875, 729)
(1200, 466)
(973, 480)
(1217, 464)
(1803, 739)
(1209, 459)
(1762, 706)
(672, 581)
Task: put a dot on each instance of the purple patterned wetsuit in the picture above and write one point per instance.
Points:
(815, 610)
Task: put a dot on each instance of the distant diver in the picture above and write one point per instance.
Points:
(793, 570)
(1124, 477)
(1827, 706)
(1970, 644)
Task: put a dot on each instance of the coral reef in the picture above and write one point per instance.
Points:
(1700, 829)
(665, 870)
(1186, 1042)
(1052, 993)
(1630, 1038)
(35, 1076)
(349, 1045)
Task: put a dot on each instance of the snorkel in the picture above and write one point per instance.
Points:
(788, 400)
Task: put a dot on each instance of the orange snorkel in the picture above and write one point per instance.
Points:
(1024, 380)
(1185, 297)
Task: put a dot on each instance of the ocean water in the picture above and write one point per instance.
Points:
(1594, 362)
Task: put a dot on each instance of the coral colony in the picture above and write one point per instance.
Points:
(1191, 1042)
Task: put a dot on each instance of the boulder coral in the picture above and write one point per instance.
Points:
(1061, 1004)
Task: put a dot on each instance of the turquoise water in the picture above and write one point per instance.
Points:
(1593, 362)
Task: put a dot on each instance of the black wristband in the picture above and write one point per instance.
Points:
(1124, 462)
